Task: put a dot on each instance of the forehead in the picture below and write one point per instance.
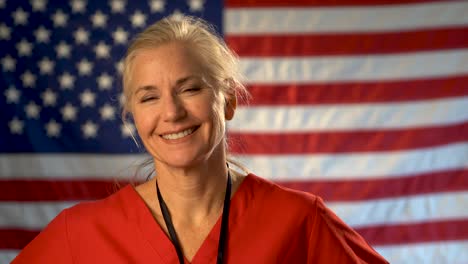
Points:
(167, 59)
(163, 66)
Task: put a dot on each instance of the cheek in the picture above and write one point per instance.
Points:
(143, 123)
(139, 127)
(217, 117)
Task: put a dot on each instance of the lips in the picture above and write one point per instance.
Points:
(180, 134)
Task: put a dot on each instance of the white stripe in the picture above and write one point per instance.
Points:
(412, 209)
(359, 165)
(284, 70)
(6, 256)
(248, 21)
(276, 167)
(338, 117)
(30, 215)
(69, 166)
(36, 215)
(447, 252)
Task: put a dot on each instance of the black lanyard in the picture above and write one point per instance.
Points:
(224, 223)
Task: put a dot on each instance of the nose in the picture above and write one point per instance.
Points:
(173, 108)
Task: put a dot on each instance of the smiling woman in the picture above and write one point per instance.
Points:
(177, 112)
(181, 85)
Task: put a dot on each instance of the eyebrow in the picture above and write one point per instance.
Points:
(145, 88)
(178, 83)
(186, 79)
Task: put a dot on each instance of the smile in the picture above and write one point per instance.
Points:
(178, 135)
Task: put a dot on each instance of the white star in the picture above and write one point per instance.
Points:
(53, 128)
(119, 66)
(46, 66)
(89, 129)
(87, 98)
(20, 17)
(84, 67)
(138, 19)
(63, 50)
(24, 48)
(69, 112)
(78, 6)
(102, 50)
(16, 126)
(32, 110)
(8, 63)
(107, 112)
(66, 81)
(127, 129)
(49, 98)
(177, 15)
(28, 79)
(4, 32)
(121, 99)
(99, 19)
(60, 18)
(120, 36)
(104, 81)
(42, 35)
(2, 3)
(196, 5)
(38, 5)
(81, 36)
(117, 6)
(157, 6)
(12, 95)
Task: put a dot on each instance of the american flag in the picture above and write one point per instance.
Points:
(364, 103)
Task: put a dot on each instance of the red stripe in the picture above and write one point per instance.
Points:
(311, 3)
(16, 238)
(415, 233)
(347, 44)
(342, 190)
(376, 235)
(56, 190)
(358, 92)
(346, 142)
(365, 189)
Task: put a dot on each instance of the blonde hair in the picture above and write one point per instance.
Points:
(220, 63)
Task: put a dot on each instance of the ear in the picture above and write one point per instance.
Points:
(230, 107)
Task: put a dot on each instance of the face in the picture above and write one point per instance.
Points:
(178, 115)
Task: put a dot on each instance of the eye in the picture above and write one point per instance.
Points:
(148, 98)
(193, 89)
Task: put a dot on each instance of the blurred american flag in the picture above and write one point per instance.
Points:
(364, 103)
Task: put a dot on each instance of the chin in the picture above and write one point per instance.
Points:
(186, 158)
(183, 162)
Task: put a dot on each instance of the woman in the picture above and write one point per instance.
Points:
(181, 85)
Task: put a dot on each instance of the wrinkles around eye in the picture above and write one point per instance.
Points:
(186, 91)
(148, 99)
(192, 90)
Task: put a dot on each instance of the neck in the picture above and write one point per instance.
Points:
(193, 194)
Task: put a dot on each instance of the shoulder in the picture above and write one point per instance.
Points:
(274, 195)
(95, 224)
(336, 241)
(113, 206)
(57, 242)
(295, 203)
(275, 190)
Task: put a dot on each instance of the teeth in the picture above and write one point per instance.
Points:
(178, 135)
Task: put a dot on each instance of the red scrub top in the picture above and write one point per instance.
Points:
(267, 224)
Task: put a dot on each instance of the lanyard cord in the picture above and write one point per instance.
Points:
(224, 223)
